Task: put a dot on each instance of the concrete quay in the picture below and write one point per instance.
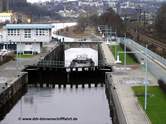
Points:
(121, 82)
(10, 70)
(108, 56)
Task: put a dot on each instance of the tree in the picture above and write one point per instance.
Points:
(82, 23)
(113, 20)
(160, 21)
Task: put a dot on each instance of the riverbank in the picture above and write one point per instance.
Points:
(156, 103)
(73, 32)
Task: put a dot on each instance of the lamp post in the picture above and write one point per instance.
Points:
(146, 78)
(146, 71)
(125, 51)
(17, 59)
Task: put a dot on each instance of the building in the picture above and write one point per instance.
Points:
(6, 17)
(28, 38)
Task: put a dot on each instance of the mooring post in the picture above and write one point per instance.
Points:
(83, 86)
(102, 84)
(89, 85)
(76, 86)
(53, 85)
(71, 85)
(47, 84)
(68, 77)
(59, 86)
(64, 85)
(96, 84)
(41, 85)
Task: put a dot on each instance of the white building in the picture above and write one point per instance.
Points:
(6, 17)
(28, 38)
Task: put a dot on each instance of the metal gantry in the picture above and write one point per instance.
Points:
(106, 32)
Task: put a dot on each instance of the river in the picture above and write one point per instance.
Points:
(61, 106)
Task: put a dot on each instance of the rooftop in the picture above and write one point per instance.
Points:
(6, 14)
(28, 26)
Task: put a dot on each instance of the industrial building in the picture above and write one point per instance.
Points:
(27, 38)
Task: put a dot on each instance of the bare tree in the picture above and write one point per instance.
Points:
(160, 22)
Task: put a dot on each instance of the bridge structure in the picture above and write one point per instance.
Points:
(56, 67)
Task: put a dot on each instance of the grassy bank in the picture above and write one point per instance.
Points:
(25, 56)
(117, 48)
(156, 107)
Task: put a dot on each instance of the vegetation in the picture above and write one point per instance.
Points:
(34, 10)
(156, 103)
(25, 56)
(162, 85)
(109, 18)
(160, 22)
(129, 58)
(112, 19)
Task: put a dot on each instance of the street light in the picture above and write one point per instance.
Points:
(146, 70)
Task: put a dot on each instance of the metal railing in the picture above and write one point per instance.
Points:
(51, 63)
(60, 64)
(155, 56)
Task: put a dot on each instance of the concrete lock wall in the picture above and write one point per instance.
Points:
(116, 110)
(12, 93)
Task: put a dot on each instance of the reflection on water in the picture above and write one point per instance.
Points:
(60, 106)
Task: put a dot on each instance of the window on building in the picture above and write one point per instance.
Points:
(13, 32)
(41, 32)
(27, 33)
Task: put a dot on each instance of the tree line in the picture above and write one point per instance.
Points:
(34, 10)
(109, 18)
(160, 21)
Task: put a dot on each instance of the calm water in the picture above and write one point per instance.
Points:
(77, 106)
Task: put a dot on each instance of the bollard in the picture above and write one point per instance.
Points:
(102, 85)
(89, 85)
(59, 86)
(76, 86)
(68, 77)
(53, 85)
(83, 86)
(41, 85)
(96, 84)
(71, 85)
(64, 86)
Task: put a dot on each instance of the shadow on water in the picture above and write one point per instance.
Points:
(12, 102)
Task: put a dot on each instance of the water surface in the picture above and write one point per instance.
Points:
(77, 106)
